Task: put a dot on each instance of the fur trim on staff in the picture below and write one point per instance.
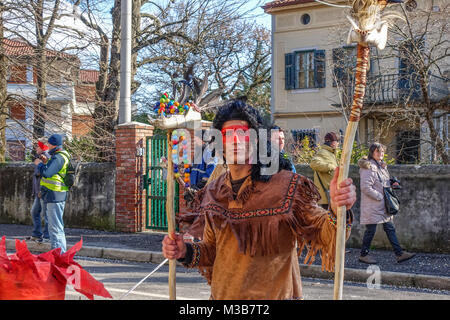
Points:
(369, 22)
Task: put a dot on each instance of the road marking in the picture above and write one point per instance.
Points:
(145, 294)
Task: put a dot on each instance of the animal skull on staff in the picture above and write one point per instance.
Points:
(369, 26)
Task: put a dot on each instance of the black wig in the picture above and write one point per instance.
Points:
(239, 110)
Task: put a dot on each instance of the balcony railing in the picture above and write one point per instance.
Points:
(393, 88)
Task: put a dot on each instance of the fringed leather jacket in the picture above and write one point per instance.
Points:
(251, 240)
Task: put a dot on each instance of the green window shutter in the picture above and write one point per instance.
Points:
(289, 59)
(319, 69)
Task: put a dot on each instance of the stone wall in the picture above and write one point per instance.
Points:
(90, 204)
(423, 221)
(422, 224)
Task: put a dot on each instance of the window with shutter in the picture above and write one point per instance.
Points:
(289, 71)
(312, 135)
(305, 69)
(304, 63)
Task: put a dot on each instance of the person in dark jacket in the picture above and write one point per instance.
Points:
(38, 207)
(54, 191)
(279, 137)
(200, 172)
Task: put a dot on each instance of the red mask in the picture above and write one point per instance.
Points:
(236, 133)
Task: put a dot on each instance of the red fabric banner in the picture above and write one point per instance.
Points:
(26, 276)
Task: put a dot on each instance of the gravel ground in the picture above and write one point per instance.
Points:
(422, 263)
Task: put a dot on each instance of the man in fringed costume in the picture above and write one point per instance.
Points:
(254, 225)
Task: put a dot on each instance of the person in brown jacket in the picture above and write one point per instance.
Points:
(374, 176)
(255, 224)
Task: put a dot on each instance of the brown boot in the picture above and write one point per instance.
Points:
(405, 256)
(367, 259)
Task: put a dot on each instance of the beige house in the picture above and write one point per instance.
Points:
(312, 68)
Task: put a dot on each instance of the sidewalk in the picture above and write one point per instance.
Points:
(425, 270)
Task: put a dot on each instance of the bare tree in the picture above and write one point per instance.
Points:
(144, 34)
(423, 44)
(408, 82)
(41, 38)
(168, 38)
(227, 51)
(36, 12)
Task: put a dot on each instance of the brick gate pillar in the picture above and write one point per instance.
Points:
(130, 168)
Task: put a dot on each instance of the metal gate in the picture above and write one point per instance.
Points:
(156, 185)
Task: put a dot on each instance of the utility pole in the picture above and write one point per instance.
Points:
(125, 62)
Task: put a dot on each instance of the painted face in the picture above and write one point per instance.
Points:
(235, 134)
(235, 138)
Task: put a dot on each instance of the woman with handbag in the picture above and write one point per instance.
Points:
(375, 180)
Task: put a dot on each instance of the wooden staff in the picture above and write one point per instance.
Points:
(170, 215)
(358, 99)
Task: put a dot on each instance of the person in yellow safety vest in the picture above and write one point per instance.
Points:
(53, 190)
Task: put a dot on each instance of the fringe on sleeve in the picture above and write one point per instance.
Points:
(204, 253)
(313, 225)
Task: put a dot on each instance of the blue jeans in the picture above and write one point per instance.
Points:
(55, 213)
(390, 232)
(36, 210)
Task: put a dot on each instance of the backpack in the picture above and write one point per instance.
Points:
(71, 173)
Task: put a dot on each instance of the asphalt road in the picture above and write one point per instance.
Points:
(120, 276)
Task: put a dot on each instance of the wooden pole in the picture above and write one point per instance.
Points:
(358, 100)
(170, 214)
(341, 214)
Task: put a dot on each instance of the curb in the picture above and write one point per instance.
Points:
(97, 252)
(387, 277)
(310, 271)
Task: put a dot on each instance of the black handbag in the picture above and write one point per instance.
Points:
(391, 201)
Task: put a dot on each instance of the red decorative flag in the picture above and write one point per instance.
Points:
(25, 276)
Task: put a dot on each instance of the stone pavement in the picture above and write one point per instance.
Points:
(425, 270)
